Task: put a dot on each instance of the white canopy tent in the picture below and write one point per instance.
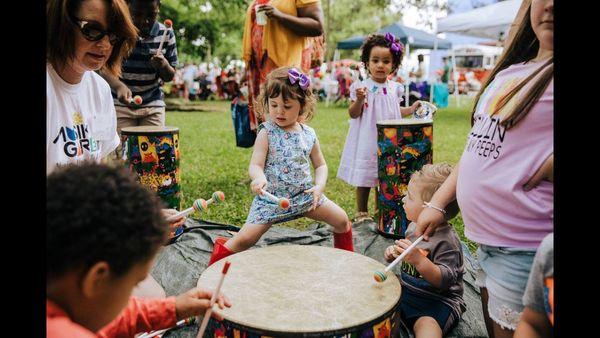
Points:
(492, 21)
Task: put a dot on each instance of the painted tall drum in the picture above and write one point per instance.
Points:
(403, 147)
(303, 291)
(153, 154)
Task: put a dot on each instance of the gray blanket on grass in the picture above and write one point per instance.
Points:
(180, 264)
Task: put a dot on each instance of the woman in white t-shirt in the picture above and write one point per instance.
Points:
(83, 36)
(81, 122)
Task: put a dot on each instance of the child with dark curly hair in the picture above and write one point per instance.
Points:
(103, 230)
(373, 99)
(284, 150)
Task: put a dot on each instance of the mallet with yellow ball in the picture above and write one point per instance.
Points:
(381, 276)
(199, 205)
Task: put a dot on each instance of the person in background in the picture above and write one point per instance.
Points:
(189, 74)
(279, 43)
(143, 71)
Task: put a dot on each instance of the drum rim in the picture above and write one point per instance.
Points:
(328, 333)
(321, 333)
(136, 130)
(407, 122)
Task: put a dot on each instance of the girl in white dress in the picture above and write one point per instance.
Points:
(373, 99)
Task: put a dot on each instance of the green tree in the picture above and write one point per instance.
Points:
(348, 18)
(206, 28)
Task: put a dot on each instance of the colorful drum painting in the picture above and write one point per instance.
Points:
(403, 147)
(153, 154)
(304, 291)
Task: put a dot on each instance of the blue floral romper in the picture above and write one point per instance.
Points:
(287, 169)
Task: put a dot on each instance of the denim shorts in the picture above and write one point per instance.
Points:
(504, 273)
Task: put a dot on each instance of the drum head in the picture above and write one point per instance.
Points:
(405, 122)
(149, 130)
(302, 289)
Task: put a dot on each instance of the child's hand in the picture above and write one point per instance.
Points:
(414, 106)
(258, 184)
(361, 93)
(124, 94)
(414, 256)
(196, 301)
(391, 253)
(158, 62)
(176, 223)
(317, 191)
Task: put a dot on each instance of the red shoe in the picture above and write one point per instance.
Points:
(344, 240)
(219, 250)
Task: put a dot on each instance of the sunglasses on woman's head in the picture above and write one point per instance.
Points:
(93, 32)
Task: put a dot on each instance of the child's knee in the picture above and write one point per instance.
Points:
(427, 326)
(341, 222)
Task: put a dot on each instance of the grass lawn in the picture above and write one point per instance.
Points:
(210, 160)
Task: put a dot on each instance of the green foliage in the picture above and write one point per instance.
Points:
(214, 28)
(349, 18)
(206, 28)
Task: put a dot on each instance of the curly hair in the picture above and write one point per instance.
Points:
(430, 178)
(380, 41)
(277, 83)
(99, 213)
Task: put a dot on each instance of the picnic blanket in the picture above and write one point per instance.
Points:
(180, 264)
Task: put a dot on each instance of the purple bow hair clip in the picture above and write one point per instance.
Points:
(395, 47)
(295, 76)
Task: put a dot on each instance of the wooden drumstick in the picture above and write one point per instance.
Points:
(199, 205)
(213, 300)
(168, 24)
(183, 322)
(283, 202)
(380, 276)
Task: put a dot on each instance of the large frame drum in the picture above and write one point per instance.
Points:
(303, 291)
(153, 154)
(403, 147)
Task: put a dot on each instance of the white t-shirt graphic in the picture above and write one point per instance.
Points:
(81, 121)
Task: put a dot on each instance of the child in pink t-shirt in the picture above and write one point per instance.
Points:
(503, 182)
(373, 99)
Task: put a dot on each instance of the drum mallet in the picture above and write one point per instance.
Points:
(168, 24)
(380, 276)
(183, 322)
(136, 99)
(213, 299)
(199, 205)
(283, 202)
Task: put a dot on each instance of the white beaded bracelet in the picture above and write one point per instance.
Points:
(429, 205)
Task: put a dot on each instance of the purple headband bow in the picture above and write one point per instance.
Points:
(295, 76)
(395, 47)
